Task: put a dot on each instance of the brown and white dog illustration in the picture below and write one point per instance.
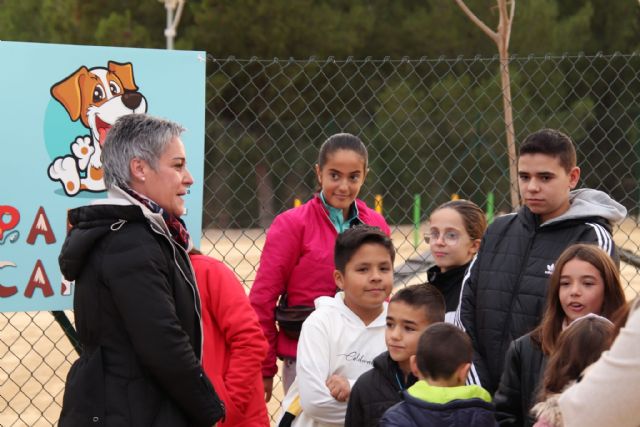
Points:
(96, 96)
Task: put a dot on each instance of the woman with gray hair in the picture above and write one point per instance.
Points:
(136, 305)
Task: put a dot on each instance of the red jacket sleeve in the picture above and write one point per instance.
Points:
(280, 254)
(225, 299)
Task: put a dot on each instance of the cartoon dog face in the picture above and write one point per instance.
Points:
(97, 97)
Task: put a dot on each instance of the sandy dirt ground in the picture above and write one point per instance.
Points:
(35, 355)
(240, 249)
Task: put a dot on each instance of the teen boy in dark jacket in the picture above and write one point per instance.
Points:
(504, 295)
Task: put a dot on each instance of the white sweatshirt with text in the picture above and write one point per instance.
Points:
(333, 340)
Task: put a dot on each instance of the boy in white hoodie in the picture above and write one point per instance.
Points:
(340, 339)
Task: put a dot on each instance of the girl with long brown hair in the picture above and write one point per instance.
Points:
(585, 280)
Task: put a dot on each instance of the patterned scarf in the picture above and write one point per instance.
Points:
(176, 226)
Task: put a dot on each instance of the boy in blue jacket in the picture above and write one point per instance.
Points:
(440, 398)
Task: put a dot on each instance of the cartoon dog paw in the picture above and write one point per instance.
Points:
(83, 150)
(65, 170)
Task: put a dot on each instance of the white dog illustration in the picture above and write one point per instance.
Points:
(96, 96)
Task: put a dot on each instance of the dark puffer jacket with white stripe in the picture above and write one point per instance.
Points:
(504, 292)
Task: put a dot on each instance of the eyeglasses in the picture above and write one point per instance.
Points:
(449, 237)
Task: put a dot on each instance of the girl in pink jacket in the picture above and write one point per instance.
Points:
(296, 265)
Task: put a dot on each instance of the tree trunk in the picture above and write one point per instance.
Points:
(505, 81)
(264, 193)
(501, 39)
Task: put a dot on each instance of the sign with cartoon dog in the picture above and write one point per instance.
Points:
(58, 103)
(96, 97)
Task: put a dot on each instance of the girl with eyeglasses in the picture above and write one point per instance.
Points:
(455, 231)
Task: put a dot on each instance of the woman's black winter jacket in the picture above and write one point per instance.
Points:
(137, 313)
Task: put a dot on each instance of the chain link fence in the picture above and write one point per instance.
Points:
(433, 127)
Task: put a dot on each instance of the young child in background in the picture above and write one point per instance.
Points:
(455, 231)
(441, 397)
(234, 345)
(409, 313)
(580, 345)
(503, 295)
(585, 280)
(607, 394)
(340, 339)
(296, 265)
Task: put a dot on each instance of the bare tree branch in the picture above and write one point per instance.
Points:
(512, 13)
(488, 31)
(501, 38)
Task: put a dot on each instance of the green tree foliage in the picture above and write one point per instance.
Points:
(278, 28)
(423, 28)
(119, 29)
(95, 22)
(433, 126)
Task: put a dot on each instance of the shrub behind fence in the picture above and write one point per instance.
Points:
(433, 127)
